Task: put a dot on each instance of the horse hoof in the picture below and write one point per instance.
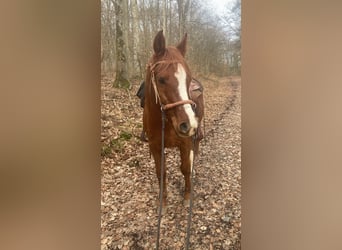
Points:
(143, 137)
(163, 210)
(186, 203)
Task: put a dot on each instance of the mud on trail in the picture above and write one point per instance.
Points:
(129, 186)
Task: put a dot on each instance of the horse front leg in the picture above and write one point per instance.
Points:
(156, 152)
(187, 158)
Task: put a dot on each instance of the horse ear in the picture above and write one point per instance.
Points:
(182, 45)
(159, 44)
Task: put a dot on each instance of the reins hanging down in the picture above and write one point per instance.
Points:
(161, 178)
(187, 239)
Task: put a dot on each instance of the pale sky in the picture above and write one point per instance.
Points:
(218, 5)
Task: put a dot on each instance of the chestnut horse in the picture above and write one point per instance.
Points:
(170, 89)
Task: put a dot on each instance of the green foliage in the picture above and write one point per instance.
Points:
(125, 135)
(116, 145)
(122, 83)
(106, 151)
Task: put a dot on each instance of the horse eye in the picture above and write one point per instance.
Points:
(161, 80)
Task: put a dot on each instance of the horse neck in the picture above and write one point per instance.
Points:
(150, 98)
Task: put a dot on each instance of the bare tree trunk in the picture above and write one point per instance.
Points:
(128, 27)
(180, 18)
(121, 77)
(170, 24)
(126, 37)
(189, 12)
(165, 17)
(107, 43)
(136, 40)
(145, 38)
(158, 21)
(183, 9)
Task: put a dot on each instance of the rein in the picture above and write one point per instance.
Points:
(161, 179)
(187, 240)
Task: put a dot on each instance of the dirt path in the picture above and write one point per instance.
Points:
(130, 189)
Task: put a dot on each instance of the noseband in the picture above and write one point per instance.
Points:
(153, 79)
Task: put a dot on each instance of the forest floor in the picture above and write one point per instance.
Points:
(129, 187)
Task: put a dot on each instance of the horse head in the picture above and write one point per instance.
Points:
(170, 77)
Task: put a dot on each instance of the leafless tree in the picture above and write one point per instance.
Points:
(128, 28)
(121, 76)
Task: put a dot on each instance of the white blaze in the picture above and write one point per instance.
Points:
(183, 92)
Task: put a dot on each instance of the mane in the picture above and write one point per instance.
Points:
(174, 57)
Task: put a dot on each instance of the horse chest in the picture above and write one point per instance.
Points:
(171, 139)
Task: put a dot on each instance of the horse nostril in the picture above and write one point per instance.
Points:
(184, 127)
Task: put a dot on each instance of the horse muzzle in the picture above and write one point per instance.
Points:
(185, 122)
(185, 129)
